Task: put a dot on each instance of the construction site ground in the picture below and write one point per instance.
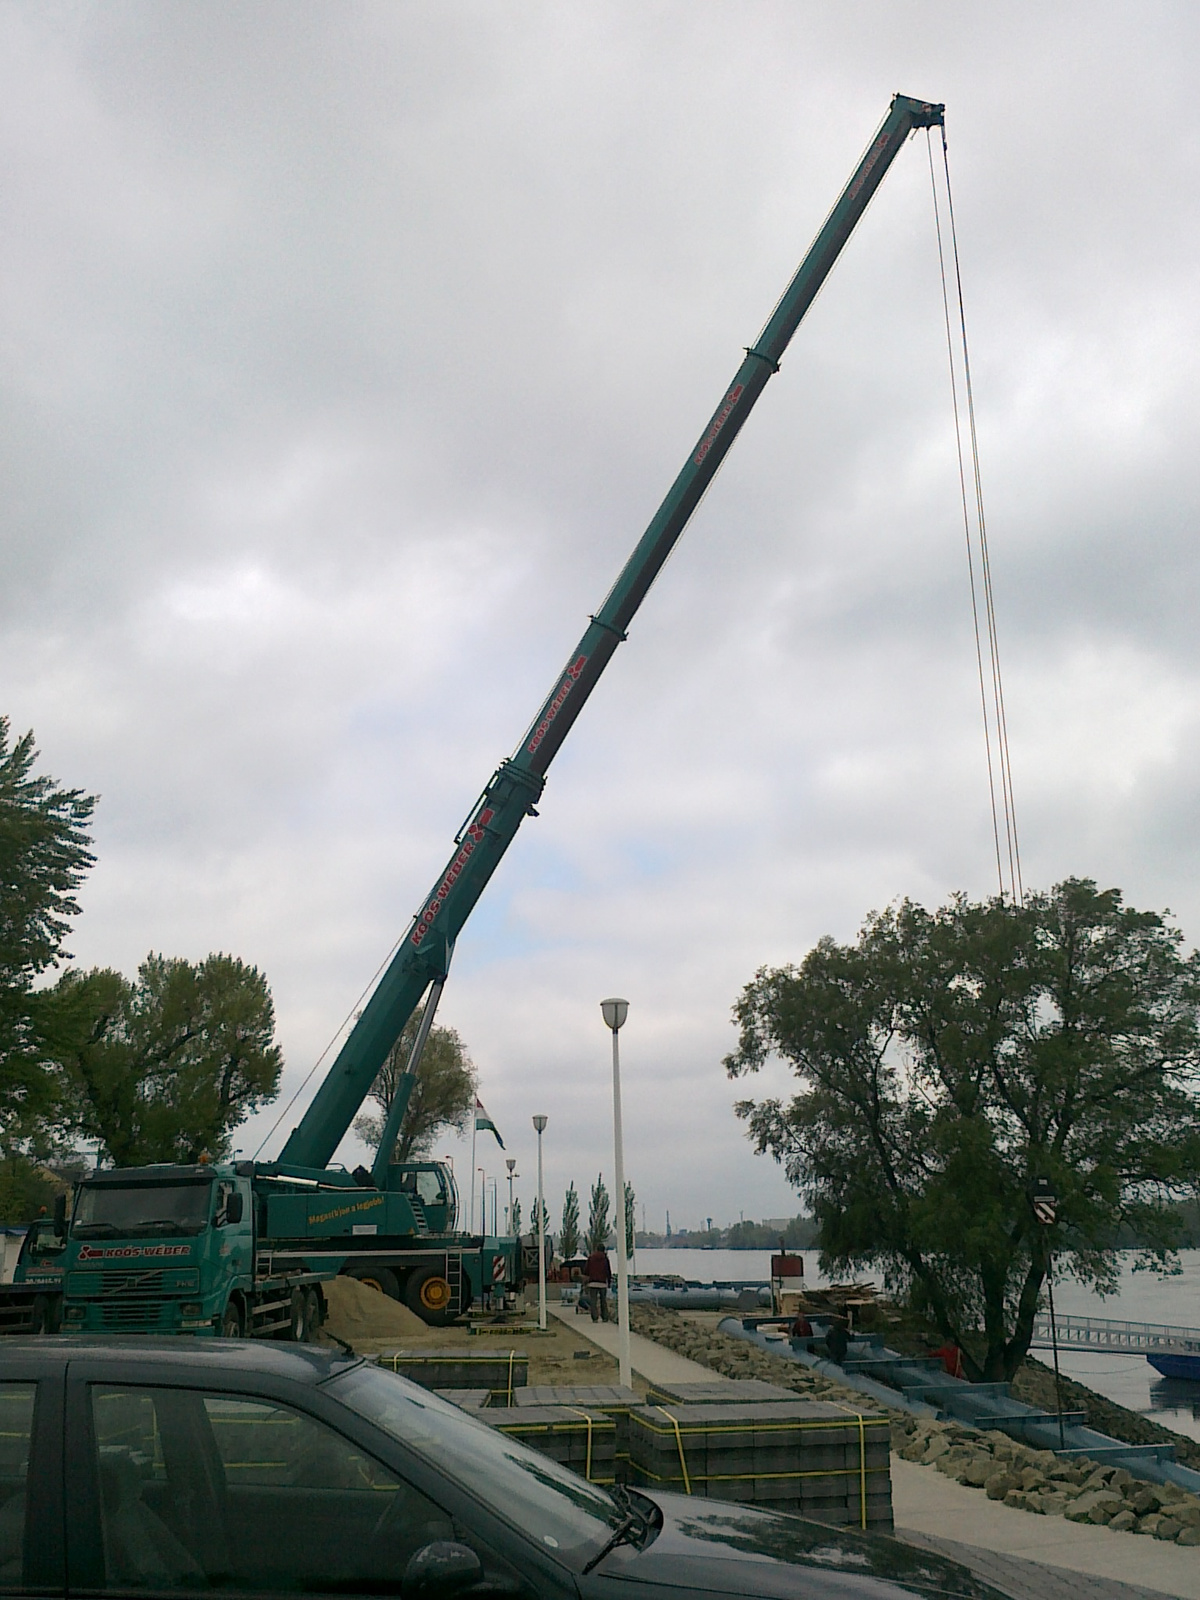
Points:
(369, 1322)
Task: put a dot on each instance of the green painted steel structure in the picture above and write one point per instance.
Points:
(513, 790)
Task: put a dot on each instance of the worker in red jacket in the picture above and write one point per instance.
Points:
(598, 1274)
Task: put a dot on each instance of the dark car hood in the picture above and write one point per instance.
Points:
(715, 1547)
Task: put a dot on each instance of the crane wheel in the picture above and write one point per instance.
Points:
(231, 1321)
(316, 1314)
(430, 1296)
(381, 1278)
(299, 1331)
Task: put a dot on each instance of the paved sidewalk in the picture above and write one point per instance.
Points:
(650, 1360)
(1042, 1558)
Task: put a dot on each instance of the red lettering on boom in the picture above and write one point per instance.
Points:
(475, 834)
(717, 423)
(572, 678)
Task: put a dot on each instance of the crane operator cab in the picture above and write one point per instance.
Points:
(429, 1188)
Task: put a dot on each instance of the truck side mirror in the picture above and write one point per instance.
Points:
(233, 1208)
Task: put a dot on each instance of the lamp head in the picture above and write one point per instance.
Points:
(511, 1163)
(540, 1123)
(614, 1013)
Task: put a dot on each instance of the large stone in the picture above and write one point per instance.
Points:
(1032, 1478)
(1051, 1504)
(1168, 1528)
(1120, 1479)
(1094, 1505)
(1147, 1524)
(936, 1447)
(1123, 1522)
(999, 1484)
(1017, 1499)
(1145, 1499)
(977, 1471)
(1189, 1536)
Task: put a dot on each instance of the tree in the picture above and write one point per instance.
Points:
(442, 1097)
(948, 1061)
(165, 1067)
(514, 1221)
(630, 1217)
(44, 856)
(568, 1236)
(533, 1219)
(598, 1228)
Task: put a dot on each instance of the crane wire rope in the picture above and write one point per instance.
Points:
(349, 1017)
(995, 719)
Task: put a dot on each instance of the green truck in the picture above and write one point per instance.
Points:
(246, 1248)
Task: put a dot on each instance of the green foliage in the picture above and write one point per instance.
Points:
(514, 1220)
(568, 1237)
(442, 1097)
(599, 1229)
(43, 858)
(947, 1060)
(533, 1219)
(27, 1188)
(630, 1217)
(165, 1067)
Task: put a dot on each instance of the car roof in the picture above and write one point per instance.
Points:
(302, 1363)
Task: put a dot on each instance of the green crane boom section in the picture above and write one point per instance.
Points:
(510, 796)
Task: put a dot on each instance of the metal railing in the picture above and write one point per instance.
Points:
(1109, 1337)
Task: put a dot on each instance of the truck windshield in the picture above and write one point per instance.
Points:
(116, 1211)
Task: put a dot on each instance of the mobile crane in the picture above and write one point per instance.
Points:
(245, 1247)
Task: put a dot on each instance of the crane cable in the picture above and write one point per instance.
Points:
(995, 721)
(350, 1016)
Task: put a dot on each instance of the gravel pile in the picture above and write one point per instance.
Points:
(1026, 1479)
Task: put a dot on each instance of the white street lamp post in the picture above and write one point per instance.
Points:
(512, 1170)
(540, 1124)
(614, 1013)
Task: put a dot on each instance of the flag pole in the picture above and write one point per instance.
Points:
(474, 1131)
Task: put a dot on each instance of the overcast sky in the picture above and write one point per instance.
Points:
(347, 350)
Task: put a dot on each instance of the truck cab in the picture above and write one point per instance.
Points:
(158, 1249)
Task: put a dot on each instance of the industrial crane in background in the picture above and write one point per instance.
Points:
(244, 1247)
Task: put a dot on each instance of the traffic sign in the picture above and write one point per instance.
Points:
(1045, 1209)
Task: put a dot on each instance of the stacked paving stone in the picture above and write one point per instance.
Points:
(577, 1437)
(1043, 1483)
(611, 1400)
(819, 1460)
(466, 1399)
(501, 1372)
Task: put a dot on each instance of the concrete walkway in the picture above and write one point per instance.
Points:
(964, 1524)
(651, 1361)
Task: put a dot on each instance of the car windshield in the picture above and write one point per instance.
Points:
(124, 1211)
(554, 1505)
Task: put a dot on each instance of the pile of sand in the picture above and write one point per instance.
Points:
(358, 1312)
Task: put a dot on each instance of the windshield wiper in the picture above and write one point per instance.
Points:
(167, 1224)
(635, 1521)
(95, 1230)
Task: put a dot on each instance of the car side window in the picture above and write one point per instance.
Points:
(202, 1490)
(16, 1438)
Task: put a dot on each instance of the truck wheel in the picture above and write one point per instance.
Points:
(299, 1331)
(430, 1296)
(231, 1321)
(381, 1278)
(316, 1315)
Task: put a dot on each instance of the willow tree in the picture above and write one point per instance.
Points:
(948, 1061)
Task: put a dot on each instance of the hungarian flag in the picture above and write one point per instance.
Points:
(484, 1123)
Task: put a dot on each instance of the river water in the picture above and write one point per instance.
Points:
(1129, 1380)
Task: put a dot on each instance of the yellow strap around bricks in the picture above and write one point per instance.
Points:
(687, 1482)
(586, 1415)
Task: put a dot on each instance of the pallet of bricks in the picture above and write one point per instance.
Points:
(501, 1372)
(818, 1460)
(609, 1400)
(574, 1436)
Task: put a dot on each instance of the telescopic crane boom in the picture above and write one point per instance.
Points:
(513, 790)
